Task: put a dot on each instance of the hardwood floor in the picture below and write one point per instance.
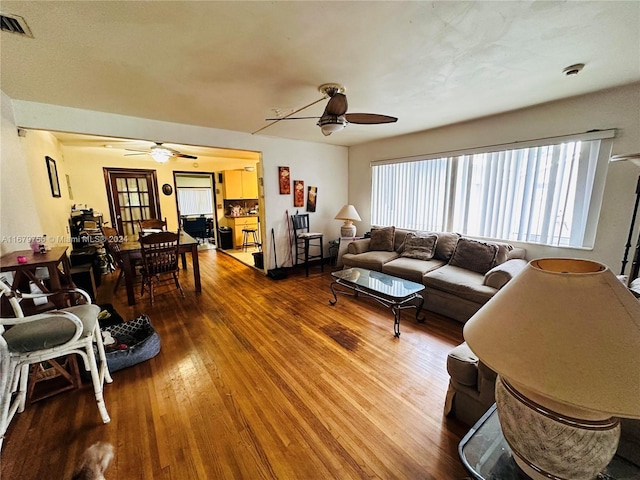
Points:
(259, 379)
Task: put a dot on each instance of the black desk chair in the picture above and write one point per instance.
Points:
(196, 227)
(305, 240)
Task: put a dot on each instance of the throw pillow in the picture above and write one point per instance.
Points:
(474, 255)
(382, 239)
(420, 247)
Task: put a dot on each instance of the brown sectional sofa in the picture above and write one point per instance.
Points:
(460, 277)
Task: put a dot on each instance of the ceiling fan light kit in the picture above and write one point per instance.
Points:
(330, 124)
(160, 153)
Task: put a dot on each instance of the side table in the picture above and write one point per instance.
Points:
(486, 455)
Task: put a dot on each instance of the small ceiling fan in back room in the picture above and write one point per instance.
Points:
(160, 153)
(335, 116)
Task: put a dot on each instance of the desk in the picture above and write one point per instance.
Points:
(486, 455)
(130, 251)
(50, 260)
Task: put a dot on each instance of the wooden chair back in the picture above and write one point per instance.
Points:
(160, 253)
(113, 240)
(152, 223)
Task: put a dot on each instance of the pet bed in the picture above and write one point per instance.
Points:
(135, 342)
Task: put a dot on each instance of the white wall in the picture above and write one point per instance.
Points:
(323, 166)
(19, 216)
(617, 108)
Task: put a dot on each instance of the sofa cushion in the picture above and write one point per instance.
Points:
(372, 260)
(473, 255)
(420, 247)
(460, 282)
(410, 268)
(446, 245)
(504, 252)
(382, 239)
(400, 237)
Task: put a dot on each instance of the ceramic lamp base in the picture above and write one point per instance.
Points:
(348, 230)
(551, 445)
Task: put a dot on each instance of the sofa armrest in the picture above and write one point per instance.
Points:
(359, 246)
(499, 275)
(486, 384)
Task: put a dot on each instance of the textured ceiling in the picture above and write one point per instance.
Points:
(230, 65)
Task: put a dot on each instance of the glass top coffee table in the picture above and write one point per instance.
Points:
(486, 455)
(392, 292)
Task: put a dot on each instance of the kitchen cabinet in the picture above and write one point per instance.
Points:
(238, 223)
(240, 184)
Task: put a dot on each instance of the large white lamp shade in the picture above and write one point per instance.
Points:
(564, 337)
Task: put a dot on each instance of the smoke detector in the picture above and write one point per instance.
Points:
(572, 70)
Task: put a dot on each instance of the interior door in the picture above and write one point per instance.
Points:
(133, 196)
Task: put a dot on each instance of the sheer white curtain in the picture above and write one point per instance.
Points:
(548, 194)
(195, 200)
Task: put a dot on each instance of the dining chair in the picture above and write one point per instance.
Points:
(159, 259)
(44, 337)
(305, 240)
(113, 241)
(152, 224)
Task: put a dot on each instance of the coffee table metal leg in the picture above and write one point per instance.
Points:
(419, 308)
(335, 297)
(396, 321)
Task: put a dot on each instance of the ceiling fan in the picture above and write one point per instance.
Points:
(335, 116)
(160, 153)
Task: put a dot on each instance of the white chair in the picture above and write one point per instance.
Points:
(46, 336)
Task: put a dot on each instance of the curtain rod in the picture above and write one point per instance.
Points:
(588, 135)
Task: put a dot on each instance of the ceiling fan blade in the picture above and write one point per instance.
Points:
(135, 150)
(184, 155)
(290, 118)
(337, 105)
(287, 116)
(131, 154)
(369, 118)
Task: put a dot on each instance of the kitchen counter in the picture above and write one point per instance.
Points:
(252, 215)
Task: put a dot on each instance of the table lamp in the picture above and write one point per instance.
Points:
(564, 338)
(348, 213)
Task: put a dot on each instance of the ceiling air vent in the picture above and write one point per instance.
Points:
(15, 24)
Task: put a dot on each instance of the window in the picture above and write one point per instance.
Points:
(547, 192)
(195, 194)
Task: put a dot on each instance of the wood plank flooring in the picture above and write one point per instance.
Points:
(259, 379)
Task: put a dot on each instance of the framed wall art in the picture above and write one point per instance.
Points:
(284, 178)
(312, 197)
(53, 177)
(298, 193)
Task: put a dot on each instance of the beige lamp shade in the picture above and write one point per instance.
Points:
(567, 330)
(348, 212)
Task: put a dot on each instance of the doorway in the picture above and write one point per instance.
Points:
(196, 205)
(132, 196)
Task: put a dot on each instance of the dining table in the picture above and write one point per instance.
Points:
(131, 252)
